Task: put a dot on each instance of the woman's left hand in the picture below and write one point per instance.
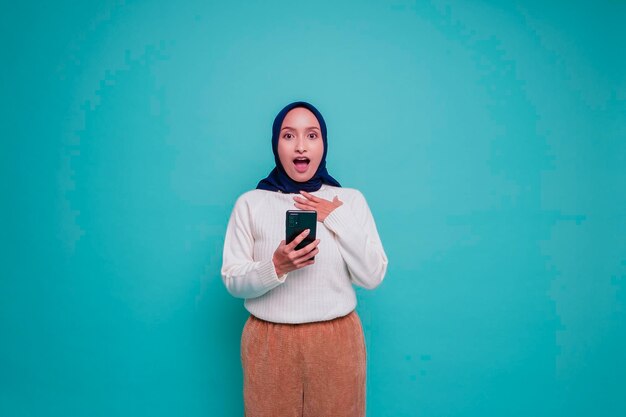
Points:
(322, 206)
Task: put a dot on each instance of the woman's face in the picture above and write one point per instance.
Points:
(300, 144)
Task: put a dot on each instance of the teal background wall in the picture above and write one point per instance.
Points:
(488, 138)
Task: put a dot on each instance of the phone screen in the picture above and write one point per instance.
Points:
(298, 221)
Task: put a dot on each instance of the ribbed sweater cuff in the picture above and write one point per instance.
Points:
(267, 275)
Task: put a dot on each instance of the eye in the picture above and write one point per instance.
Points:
(287, 136)
(312, 135)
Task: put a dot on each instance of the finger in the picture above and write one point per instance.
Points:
(297, 240)
(308, 248)
(304, 201)
(306, 258)
(307, 263)
(311, 196)
(304, 206)
(304, 253)
(310, 253)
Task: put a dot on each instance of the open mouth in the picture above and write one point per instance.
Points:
(301, 164)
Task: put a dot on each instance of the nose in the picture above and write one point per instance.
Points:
(300, 145)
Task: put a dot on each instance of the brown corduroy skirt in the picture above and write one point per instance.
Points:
(312, 369)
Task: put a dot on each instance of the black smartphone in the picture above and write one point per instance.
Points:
(298, 221)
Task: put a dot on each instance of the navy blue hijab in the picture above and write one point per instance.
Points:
(278, 180)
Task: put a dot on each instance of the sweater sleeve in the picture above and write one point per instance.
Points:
(359, 242)
(242, 275)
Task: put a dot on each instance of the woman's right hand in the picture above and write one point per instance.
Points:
(287, 259)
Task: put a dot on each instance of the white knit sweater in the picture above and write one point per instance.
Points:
(350, 251)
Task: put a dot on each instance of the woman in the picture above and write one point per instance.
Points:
(302, 348)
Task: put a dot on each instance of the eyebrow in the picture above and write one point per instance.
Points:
(308, 128)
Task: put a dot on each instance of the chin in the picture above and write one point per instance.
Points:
(301, 178)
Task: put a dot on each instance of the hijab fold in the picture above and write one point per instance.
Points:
(278, 180)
